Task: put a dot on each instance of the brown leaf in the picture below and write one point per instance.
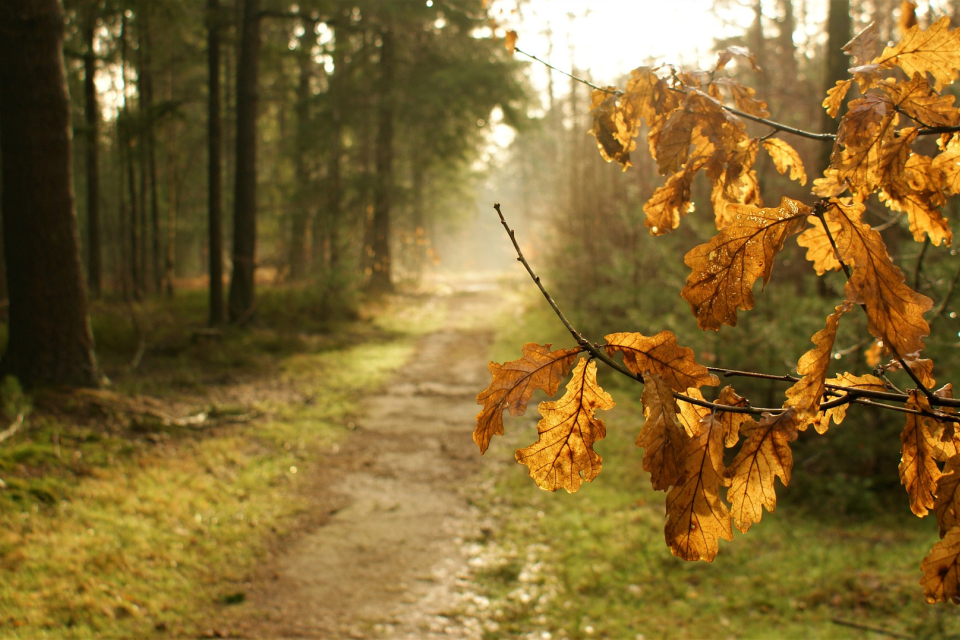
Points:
(510, 41)
(947, 164)
(894, 310)
(605, 128)
(731, 422)
(874, 353)
(862, 48)
(947, 502)
(744, 97)
(763, 457)
(514, 383)
(724, 270)
(691, 414)
(671, 144)
(935, 51)
(847, 381)
(819, 249)
(670, 202)
(805, 394)
(696, 515)
(917, 100)
(835, 96)
(726, 55)
(661, 355)
(785, 157)
(662, 436)
(563, 455)
(919, 472)
(941, 570)
(908, 16)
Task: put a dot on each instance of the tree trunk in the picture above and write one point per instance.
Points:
(145, 84)
(92, 114)
(50, 342)
(380, 233)
(328, 226)
(214, 146)
(126, 135)
(245, 190)
(303, 205)
(838, 34)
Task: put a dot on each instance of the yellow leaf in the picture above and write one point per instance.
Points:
(917, 100)
(941, 570)
(661, 355)
(662, 436)
(563, 456)
(805, 394)
(510, 41)
(606, 128)
(724, 270)
(847, 381)
(763, 457)
(514, 383)
(819, 249)
(744, 97)
(935, 51)
(947, 164)
(835, 96)
(731, 422)
(670, 202)
(697, 517)
(919, 472)
(728, 54)
(947, 502)
(785, 157)
(862, 48)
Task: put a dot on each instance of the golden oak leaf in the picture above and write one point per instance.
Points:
(661, 355)
(670, 202)
(744, 97)
(835, 96)
(935, 51)
(947, 165)
(563, 455)
(510, 40)
(744, 189)
(805, 394)
(819, 249)
(919, 472)
(859, 126)
(862, 48)
(605, 114)
(785, 157)
(728, 54)
(947, 502)
(894, 310)
(924, 217)
(691, 414)
(908, 16)
(763, 457)
(662, 435)
(647, 96)
(922, 368)
(514, 383)
(722, 129)
(829, 185)
(729, 421)
(846, 381)
(671, 143)
(696, 515)
(894, 154)
(858, 164)
(941, 570)
(724, 270)
(917, 100)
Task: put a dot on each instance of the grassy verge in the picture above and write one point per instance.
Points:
(113, 524)
(594, 564)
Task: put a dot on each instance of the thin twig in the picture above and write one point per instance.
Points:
(867, 627)
(13, 428)
(919, 266)
(569, 75)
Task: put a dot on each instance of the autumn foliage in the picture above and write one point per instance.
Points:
(695, 122)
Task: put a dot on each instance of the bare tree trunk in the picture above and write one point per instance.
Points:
(126, 154)
(92, 115)
(328, 226)
(304, 202)
(49, 332)
(380, 281)
(149, 138)
(214, 147)
(241, 303)
(838, 34)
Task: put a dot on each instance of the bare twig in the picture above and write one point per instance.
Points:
(13, 428)
(919, 266)
(867, 627)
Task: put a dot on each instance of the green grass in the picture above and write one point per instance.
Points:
(595, 564)
(116, 526)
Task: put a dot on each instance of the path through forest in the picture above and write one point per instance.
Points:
(385, 556)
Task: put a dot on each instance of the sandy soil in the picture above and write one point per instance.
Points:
(384, 554)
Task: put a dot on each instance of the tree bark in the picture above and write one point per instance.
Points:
(327, 227)
(241, 303)
(91, 113)
(380, 281)
(214, 176)
(838, 34)
(149, 138)
(127, 138)
(50, 341)
(301, 211)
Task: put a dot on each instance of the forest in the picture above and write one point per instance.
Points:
(257, 255)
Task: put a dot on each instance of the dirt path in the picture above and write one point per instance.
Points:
(384, 557)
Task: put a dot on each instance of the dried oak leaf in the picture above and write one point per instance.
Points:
(819, 249)
(862, 48)
(729, 421)
(515, 382)
(848, 381)
(728, 54)
(835, 96)
(935, 51)
(947, 502)
(763, 457)
(804, 396)
(605, 127)
(510, 41)
(947, 165)
(691, 414)
(670, 202)
(894, 310)
(697, 517)
(785, 157)
(919, 449)
(671, 143)
(916, 99)
(661, 355)
(873, 354)
(724, 270)
(941, 570)
(744, 97)
(662, 435)
(563, 455)
(922, 368)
